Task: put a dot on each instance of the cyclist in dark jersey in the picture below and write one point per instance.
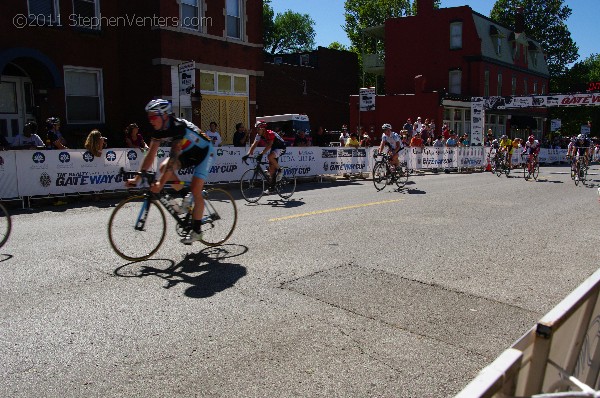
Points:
(190, 147)
(274, 145)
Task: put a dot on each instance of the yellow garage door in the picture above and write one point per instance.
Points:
(226, 112)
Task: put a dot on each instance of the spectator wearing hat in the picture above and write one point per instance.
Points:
(417, 127)
(344, 135)
(54, 138)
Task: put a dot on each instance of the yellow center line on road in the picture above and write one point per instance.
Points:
(316, 212)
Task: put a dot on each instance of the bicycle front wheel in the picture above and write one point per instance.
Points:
(252, 185)
(219, 218)
(136, 228)
(536, 171)
(401, 177)
(380, 176)
(287, 185)
(5, 225)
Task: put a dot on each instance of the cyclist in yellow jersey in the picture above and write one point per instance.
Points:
(507, 146)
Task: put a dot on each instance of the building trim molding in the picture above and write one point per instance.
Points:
(208, 67)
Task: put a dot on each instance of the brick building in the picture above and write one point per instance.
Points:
(464, 54)
(317, 83)
(97, 63)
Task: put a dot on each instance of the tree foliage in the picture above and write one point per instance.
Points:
(577, 79)
(336, 45)
(288, 32)
(545, 23)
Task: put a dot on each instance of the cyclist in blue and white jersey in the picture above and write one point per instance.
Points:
(190, 147)
(392, 141)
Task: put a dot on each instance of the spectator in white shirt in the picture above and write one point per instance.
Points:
(213, 134)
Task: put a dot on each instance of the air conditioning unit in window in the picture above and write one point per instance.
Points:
(304, 59)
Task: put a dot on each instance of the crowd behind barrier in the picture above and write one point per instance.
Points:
(57, 172)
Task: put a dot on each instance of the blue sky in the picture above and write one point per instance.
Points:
(329, 18)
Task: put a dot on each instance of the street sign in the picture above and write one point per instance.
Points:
(187, 77)
(367, 99)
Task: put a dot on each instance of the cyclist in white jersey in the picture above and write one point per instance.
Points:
(392, 141)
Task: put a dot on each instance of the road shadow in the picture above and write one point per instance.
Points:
(205, 272)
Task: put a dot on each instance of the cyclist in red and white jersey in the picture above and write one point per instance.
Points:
(392, 141)
(532, 146)
(275, 146)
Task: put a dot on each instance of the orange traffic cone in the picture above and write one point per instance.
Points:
(489, 166)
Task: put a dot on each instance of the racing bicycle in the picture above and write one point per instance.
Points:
(138, 225)
(579, 169)
(531, 168)
(385, 173)
(255, 180)
(499, 163)
(5, 225)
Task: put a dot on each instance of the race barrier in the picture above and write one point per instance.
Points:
(56, 172)
(558, 354)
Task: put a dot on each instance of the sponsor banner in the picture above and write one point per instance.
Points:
(71, 171)
(8, 175)
(342, 160)
(367, 99)
(432, 158)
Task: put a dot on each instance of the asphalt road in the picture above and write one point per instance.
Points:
(341, 292)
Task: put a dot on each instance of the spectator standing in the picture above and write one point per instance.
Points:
(95, 143)
(318, 138)
(240, 137)
(446, 132)
(417, 127)
(214, 135)
(301, 139)
(54, 138)
(439, 142)
(416, 141)
(133, 137)
(365, 140)
(451, 141)
(425, 135)
(353, 141)
(344, 135)
(408, 126)
(432, 133)
(28, 139)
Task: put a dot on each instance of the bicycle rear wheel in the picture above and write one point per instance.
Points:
(136, 228)
(219, 218)
(499, 166)
(380, 175)
(5, 225)
(252, 185)
(287, 185)
(577, 174)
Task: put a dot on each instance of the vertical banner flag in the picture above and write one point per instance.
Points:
(187, 77)
(367, 99)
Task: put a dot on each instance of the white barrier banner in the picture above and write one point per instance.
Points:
(8, 175)
(342, 160)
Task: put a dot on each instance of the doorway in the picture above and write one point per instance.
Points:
(16, 104)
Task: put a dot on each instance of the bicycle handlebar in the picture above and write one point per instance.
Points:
(149, 176)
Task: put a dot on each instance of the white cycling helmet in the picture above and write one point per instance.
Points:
(159, 106)
(386, 126)
(581, 137)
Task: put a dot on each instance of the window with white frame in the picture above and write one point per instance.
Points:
(223, 83)
(456, 35)
(525, 86)
(83, 92)
(191, 14)
(455, 80)
(513, 88)
(543, 89)
(234, 18)
(85, 14)
(535, 88)
(45, 12)
(499, 89)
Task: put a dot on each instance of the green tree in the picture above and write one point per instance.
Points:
(336, 45)
(544, 22)
(288, 32)
(577, 79)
